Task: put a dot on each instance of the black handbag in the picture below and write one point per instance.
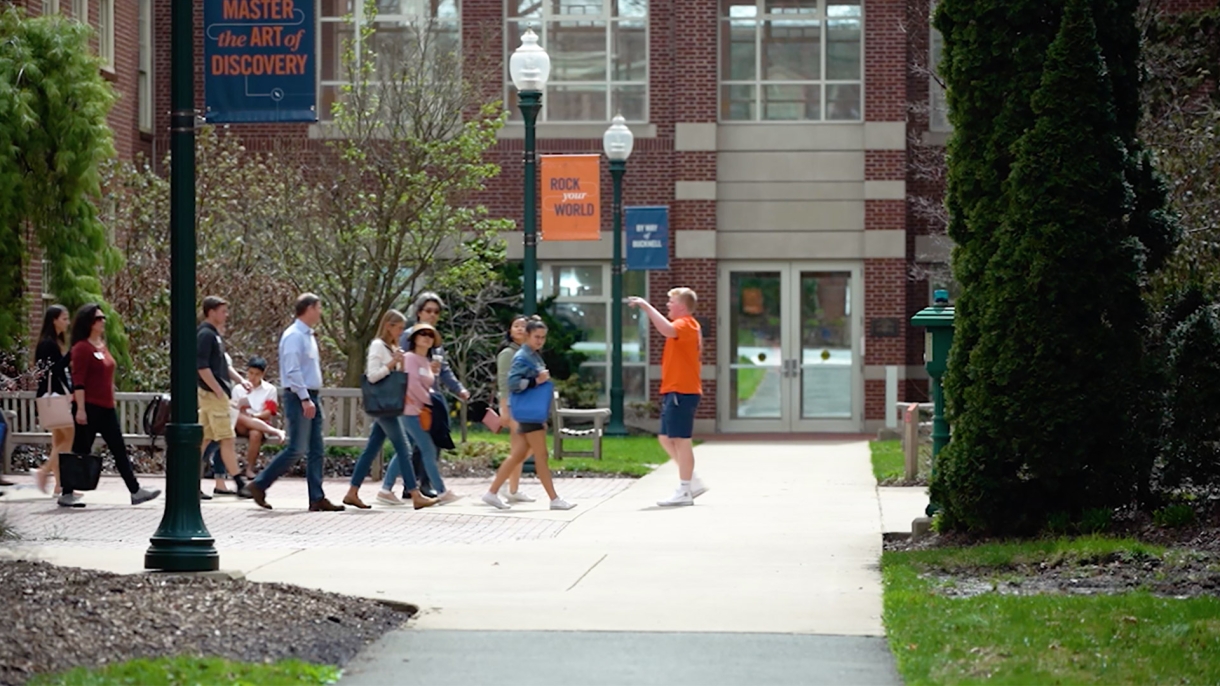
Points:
(79, 472)
(385, 398)
(439, 431)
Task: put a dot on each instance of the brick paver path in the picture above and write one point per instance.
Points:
(108, 521)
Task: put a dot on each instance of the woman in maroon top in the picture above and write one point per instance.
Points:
(93, 389)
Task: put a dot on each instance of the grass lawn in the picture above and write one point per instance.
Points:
(1129, 638)
(888, 460)
(631, 455)
(193, 671)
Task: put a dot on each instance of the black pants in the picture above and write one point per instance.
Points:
(104, 420)
(417, 462)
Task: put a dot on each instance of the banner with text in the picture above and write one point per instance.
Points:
(571, 202)
(647, 237)
(259, 61)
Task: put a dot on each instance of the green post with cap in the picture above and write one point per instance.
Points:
(938, 322)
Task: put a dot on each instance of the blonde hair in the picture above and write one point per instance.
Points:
(687, 296)
(390, 318)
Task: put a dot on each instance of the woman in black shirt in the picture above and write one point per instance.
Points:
(52, 363)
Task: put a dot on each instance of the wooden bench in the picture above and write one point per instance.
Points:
(345, 423)
(562, 419)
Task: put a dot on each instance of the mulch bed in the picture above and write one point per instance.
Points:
(1189, 568)
(57, 618)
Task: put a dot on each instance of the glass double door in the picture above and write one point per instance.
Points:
(790, 355)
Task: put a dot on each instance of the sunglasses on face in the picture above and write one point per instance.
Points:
(424, 334)
(100, 318)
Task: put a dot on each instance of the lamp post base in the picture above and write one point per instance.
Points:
(182, 542)
(178, 555)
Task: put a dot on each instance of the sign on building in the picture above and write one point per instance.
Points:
(647, 237)
(259, 61)
(571, 200)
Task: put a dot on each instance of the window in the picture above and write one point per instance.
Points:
(599, 57)
(144, 91)
(105, 33)
(80, 11)
(791, 60)
(50, 7)
(938, 114)
(582, 300)
(397, 22)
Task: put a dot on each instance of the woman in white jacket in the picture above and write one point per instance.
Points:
(385, 356)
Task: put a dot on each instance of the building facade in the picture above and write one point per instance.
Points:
(791, 141)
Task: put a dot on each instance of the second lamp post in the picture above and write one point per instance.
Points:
(529, 68)
(617, 143)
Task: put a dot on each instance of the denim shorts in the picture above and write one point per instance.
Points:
(678, 414)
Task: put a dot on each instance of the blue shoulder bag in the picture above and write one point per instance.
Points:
(533, 405)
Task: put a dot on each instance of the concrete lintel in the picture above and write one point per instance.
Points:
(602, 249)
(571, 130)
(885, 190)
(876, 372)
(695, 137)
(694, 190)
(885, 243)
(695, 244)
(885, 135)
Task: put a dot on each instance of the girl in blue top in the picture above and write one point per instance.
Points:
(526, 373)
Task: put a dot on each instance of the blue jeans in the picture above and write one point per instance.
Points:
(383, 428)
(304, 440)
(427, 451)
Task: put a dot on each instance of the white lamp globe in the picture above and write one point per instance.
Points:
(529, 65)
(618, 140)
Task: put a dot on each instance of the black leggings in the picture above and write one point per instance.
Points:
(104, 420)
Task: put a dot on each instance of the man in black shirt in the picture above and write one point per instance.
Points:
(214, 389)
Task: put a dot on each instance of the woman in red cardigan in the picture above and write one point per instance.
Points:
(93, 389)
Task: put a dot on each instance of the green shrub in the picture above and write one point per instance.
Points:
(1190, 453)
(1174, 516)
(1096, 520)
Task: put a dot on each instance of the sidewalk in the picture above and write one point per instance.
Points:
(785, 543)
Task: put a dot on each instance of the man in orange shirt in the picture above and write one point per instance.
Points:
(681, 387)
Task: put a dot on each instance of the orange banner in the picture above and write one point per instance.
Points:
(571, 199)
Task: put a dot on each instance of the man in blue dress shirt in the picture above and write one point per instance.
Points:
(301, 379)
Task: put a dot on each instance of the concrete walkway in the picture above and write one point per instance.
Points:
(771, 578)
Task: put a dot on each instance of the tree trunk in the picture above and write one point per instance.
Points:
(355, 365)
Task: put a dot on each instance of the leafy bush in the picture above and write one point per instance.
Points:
(1096, 520)
(1190, 451)
(1174, 516)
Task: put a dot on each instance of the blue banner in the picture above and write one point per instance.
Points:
(647, 238)
(259, 61)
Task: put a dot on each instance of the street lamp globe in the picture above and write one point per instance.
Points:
(529, 65)
(618, 140)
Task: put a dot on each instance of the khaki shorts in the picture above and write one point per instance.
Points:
(215, 418)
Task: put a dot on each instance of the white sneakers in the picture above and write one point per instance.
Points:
(518, 497)
(681, 497)
(697, 487)
(494, 500)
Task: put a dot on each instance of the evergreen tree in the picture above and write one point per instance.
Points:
(53, 139)
(1043, 425)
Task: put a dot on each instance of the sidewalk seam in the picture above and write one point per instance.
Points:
(590, 569)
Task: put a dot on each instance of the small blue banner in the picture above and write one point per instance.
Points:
(259, 61)
(647, 238)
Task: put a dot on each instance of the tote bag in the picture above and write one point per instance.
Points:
(386, 397)
(79, 472)
(54, 411)
(533, 405)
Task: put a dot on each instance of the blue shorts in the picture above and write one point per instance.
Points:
(678, 414)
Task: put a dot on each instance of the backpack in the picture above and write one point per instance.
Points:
(156, 416)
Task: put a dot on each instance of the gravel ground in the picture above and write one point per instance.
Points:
(57, 618)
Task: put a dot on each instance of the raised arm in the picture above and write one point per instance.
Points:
(663, 325)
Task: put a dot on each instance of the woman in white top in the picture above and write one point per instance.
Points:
(385, 356)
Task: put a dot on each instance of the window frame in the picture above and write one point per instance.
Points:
(80, 11)
(50, 7)
(105, 33)
(761, 18)
(355, 20)
(549, 288)
(144, 72)
(540, 25)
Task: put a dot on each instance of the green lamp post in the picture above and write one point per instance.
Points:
(182, 542)
(617, 142)
(938, 321)
(529, 68)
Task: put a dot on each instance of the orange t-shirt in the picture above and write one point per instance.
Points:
(681, 362)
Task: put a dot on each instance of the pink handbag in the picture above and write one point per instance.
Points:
(54, 411)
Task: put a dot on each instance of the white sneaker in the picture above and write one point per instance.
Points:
(494, 500)
(389, 499)
(447, 497)
(697, 487)
(679, 498)
(561, 504)
(519, 497)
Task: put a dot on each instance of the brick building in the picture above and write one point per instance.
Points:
(785, 136)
